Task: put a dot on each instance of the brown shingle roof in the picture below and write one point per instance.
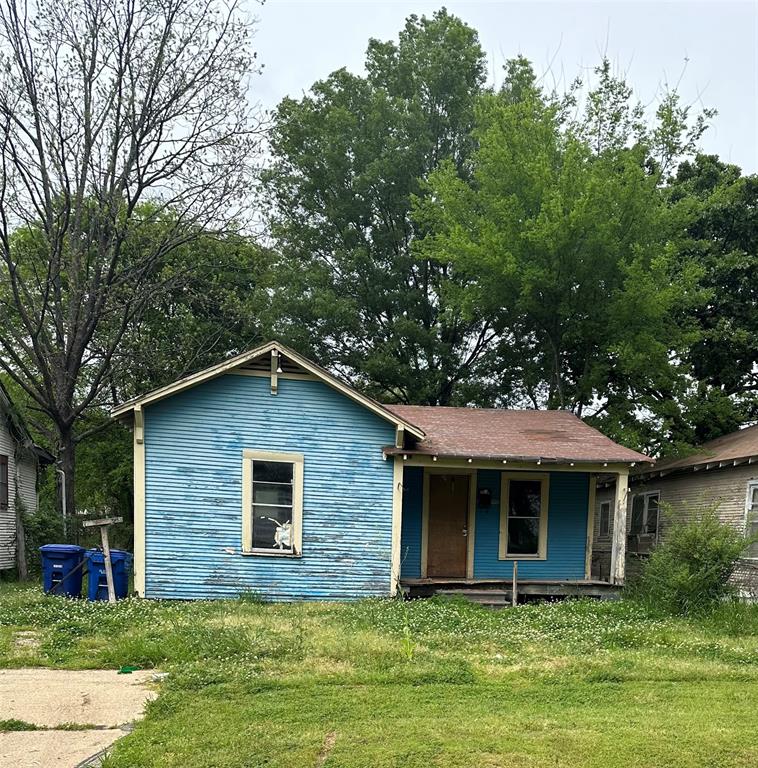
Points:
(736, 446)
(553, 436)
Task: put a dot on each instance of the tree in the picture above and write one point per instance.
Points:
(722, 242)
(564, 236)
(348, 158)
(212, 299)
(114, 115)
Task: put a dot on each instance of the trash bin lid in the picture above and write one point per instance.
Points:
(61, 548)
(116, 555)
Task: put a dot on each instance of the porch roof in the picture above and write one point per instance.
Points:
(497, 433)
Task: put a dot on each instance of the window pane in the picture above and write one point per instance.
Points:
(523, 536)
(651, 525)
(605, 518)
(272, 528)
(272, 471)
(751, 530)
(524, 498)
(638, 509)
(272, 493)
(3, 482)
(754, 499)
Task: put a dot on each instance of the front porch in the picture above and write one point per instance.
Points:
(472, 528)
(497, 593)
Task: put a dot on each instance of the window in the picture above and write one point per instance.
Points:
(604, 522)
(272, 503)
(751, 517)
(3, 482)
(523, 517)
(645, 513)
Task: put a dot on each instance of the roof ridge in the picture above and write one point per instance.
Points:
(481, 408)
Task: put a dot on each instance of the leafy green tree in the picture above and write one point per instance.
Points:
(106, 106)
(563, 235)
(348, 158)
(210, 301)
(722, 241)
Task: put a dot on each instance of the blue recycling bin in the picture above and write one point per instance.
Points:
(97, 584)
(59, 564)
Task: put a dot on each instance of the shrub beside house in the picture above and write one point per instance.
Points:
(721, 474)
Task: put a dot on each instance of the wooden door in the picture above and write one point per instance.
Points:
(448, 520)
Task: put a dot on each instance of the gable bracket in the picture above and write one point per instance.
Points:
(139, 425)
(276, 369)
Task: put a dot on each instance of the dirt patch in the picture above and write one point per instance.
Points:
(326, 748)
(26, 640)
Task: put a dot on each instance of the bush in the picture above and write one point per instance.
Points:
(689, 572)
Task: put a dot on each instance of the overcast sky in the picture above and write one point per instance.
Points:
(711, 49)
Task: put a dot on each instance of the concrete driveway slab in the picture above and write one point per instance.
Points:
(53, 749)
(51, 698)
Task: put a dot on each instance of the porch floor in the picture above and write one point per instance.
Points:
(497, 592)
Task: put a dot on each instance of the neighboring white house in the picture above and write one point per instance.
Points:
(20, 459)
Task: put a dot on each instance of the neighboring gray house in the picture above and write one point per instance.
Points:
(20, 459)
(721, 472)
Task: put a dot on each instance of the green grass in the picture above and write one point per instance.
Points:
(428, 683)
(7, 726)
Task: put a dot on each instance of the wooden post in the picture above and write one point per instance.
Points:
(103, 524)
(590, 527)
(618, 545)
(514, 585)
(108, 567)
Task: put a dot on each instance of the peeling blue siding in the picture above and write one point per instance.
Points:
(410, 534)
(193, 445)
(566, 531)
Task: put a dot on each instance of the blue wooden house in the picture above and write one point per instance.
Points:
(267, 474)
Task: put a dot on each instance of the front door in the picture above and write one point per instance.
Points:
(448, 519)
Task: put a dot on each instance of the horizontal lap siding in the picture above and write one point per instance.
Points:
(22, 476)
(688, 494)
(566, 530)
(8, 516)
(194, 443)
(410, 537)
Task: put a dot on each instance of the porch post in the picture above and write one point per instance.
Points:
(618, 545)
(397, 520)
(590, 526)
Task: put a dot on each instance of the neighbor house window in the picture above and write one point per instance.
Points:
(3, 482)
(523, 516)
(645, 513)
(751, 517)
(272, 502)
(604, 522)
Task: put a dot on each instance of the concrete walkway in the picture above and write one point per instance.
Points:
(104, 701)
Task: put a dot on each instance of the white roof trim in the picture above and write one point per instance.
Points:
(234, 362)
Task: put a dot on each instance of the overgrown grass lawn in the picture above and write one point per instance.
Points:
(428, 683)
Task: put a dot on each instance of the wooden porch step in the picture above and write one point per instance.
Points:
(493, 598)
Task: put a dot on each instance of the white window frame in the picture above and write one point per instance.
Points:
(751, 513)
(505, 482)
(607, 535)
(249, 456)
(645, 508)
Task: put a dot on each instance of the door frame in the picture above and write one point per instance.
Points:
(471, 516)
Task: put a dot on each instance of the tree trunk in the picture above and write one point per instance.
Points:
(66, 488)
(21, 566)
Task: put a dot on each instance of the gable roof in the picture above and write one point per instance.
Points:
(529, 435)
(14, 422)
(738, 447)
(240, 361)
